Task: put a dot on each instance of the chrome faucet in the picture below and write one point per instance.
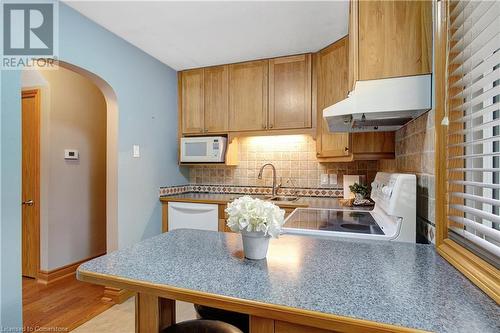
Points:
(275, 187)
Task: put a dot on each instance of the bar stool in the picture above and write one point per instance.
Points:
(202, 326)
(237, 319)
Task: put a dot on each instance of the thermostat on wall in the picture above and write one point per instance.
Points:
(71, 154)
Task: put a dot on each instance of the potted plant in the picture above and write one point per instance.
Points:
(257, 221)
(360, 191)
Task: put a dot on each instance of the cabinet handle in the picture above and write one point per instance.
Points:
(271, 126)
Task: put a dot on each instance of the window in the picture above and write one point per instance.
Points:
(467, 56)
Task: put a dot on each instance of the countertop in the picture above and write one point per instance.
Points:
(216, 198)
(395, 283)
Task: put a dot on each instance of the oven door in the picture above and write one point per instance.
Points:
(199, 150)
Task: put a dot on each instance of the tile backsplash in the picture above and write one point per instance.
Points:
(294, 157)
(415, 154)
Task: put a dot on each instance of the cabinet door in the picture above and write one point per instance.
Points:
(216, 99)
(248, 96)
(192, 101)
(331, 75)
(290, 92)
(353, 43)
(394, 38)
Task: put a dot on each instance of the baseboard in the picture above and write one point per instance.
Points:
(115, 295)
(49, 277)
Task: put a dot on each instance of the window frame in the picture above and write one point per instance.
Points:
(481, 273)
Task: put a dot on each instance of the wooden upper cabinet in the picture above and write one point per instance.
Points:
(394, 38)
(331, 67)
(192, 96)
(216, 99)
(290, 92)
(248, 102)
(353, 44)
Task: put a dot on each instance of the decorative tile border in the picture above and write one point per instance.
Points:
(256, 190)
(171, 190)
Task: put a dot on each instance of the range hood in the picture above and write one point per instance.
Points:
(381, 105)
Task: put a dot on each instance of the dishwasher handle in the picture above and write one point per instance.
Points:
(192, 210)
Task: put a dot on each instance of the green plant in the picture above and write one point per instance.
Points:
(359, 188)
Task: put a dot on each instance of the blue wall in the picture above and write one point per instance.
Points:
(146, 91)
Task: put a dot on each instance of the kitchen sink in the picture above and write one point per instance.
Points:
(282, 198)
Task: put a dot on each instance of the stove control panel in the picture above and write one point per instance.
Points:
(395, 193)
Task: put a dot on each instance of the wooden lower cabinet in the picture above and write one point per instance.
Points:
(284, 327)
(223, 219)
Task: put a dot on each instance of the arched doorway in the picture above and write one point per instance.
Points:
(58, 262)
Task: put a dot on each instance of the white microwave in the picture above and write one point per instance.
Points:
(203, 149)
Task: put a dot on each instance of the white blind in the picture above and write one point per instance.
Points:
(473, 140)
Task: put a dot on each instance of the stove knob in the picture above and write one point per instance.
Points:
(386, 190)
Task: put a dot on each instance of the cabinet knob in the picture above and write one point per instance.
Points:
(264, 126)
(346, 148)
(271, 126)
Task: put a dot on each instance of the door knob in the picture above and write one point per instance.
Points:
(28, 203)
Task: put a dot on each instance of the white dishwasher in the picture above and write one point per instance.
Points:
(193, 216)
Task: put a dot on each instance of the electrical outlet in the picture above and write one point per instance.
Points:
(324, 179)
(333, 179)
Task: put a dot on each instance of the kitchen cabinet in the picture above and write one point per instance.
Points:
(216, 92)
(248, 92)
(285, 327)
(249, 98)
(192, 96)
(390, 39)
(290, 92)
(204, 100)
(331, 71)
(331, 68)
(353, 45)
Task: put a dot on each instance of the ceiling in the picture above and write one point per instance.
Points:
(195, 34)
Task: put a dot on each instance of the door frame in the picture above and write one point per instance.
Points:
(36, 94)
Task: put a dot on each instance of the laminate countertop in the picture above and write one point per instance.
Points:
(394, 283)
(216, 198)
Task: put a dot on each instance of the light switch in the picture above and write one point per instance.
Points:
(324, 179)
(333, 179)
(136, 151)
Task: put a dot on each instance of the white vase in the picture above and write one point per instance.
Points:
(255, 244)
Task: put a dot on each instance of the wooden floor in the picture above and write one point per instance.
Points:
(63, 305)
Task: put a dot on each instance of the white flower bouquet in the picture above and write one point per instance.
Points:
(255, 215)
(258, 221)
